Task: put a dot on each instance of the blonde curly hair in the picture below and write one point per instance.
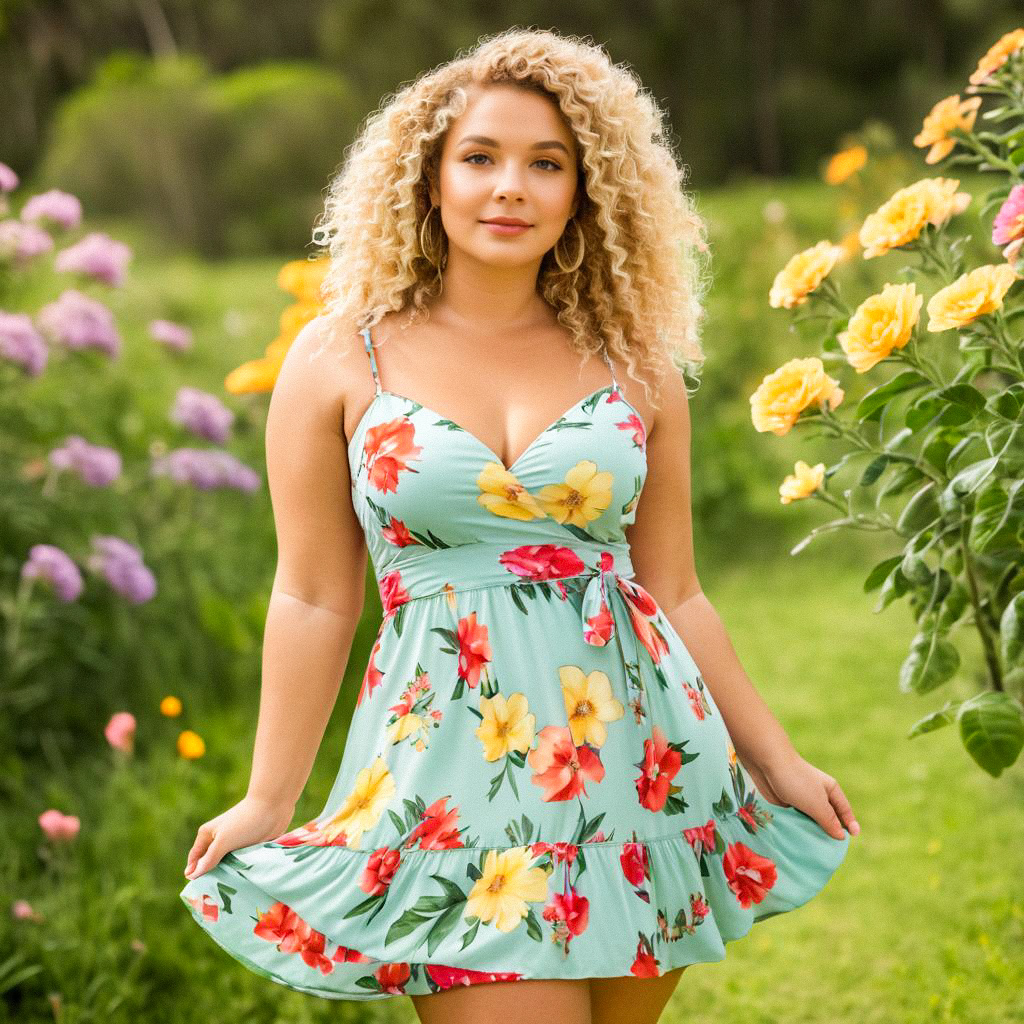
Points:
(637, 294)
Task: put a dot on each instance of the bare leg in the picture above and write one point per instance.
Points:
(637, 1000)
(508, 1002)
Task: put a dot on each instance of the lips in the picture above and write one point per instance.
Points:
(513, 221)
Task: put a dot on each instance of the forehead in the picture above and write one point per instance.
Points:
(512, 116)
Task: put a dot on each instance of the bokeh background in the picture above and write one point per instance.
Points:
(202, 135)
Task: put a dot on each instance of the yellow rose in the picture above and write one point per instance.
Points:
(900, 219)
(802, 274)
(795, 386)
(303, 278)
(844, 163)
(881, 323)
(971, 295)
(947, 114)
(802, 483)
(997, 55)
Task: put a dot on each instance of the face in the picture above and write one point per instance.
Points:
(509, 155)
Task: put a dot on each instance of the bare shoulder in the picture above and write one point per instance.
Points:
(666, 411)
(320, 367)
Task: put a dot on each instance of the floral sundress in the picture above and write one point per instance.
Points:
(536, 782)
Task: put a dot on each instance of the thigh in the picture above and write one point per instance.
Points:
(508, 1002)
(637, 1000)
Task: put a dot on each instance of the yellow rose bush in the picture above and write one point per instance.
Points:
(937, 446)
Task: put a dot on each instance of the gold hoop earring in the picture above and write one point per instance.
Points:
(579, 258)
(431, 248)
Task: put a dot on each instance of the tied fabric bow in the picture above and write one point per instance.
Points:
(598, 621)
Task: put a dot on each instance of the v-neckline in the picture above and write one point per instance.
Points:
(514, 465)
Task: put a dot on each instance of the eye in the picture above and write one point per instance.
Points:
(542, 160)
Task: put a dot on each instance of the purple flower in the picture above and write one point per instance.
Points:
(81, 322)
(170, 334)
(206, 470)
(8, 179)
(202, 413)
(56, 567)
(21, 343)
(121, 565)
(97, 255)
(60, 207)
(96, 465)
(22, 242)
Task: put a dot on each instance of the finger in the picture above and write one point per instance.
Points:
(199, 847)
(843, 808)
(828, 820)
(207, 861)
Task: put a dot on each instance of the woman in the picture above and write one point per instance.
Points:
(557, 773)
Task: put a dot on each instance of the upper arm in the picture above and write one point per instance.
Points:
(661, 537)
(321, 548)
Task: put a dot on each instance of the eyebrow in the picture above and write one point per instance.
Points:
(483, 140)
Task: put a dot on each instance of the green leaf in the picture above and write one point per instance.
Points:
(992, 729)
(1011, 631)
(915, 568)
(404, 925)
(946, 715)
(874, 470)
(924, 410)
(443, 927)
(963, 394)
(879, 573)
(895, 586)
(871, 405)
(922, 510)
(931, 662)
(971, 477)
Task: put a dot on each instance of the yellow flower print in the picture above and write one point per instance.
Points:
(585, 494)
(588, 704)
(502, 494)
(507, 725)
(508, 883)
(374, 787)
(405, 726)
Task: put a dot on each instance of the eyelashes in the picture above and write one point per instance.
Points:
(542, 160)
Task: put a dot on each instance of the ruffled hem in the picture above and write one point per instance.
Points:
(307, 917)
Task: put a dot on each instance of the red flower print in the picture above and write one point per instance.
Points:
(389, 447)
(310, 834)
(749, 874)
(474, 648)
(660, 765)
(210, 911)
(392, 593)
(448, 977)
(642, 608)
(347, 955)
(282, 925)
(542, 562)
(634, 863)
(569, 912)
(437, 830)
(699, 908)
(392, 977)
(695, 702)
(746, 812)
(598, 630)
(561, 852)
(701, 837)
(560, 767)
(646, 964)
(380, 870)
(634, 424)
(397, 533)
(372, 677)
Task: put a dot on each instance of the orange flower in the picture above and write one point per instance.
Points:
(997, 56)
(303, 278)
(845, 163)
(191, 745)
(902, 217)
(944, 117)
(802, 483)
(170, 706)
(795, 386)
(971, 295)
(881, 323)
(389, 448)
(802, 274)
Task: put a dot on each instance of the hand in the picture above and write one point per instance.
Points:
(249, 821)
(794, 782)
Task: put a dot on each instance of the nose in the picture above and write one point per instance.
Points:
(509, 184)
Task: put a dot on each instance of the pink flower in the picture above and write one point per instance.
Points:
(120, 731)
(8, 179)
(59, 207)
(97, 465)
(97, 255)
(22, 910)
(22, 242)
(21, 343)
(56, 567)
(1008, 226)
(58, 826)
(79, 321)
(202, 413)
(170, 334)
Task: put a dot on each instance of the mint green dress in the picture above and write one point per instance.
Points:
(537, 782)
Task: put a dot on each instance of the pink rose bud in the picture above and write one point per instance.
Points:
(120, 731)
(58, 826)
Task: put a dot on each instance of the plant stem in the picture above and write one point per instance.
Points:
(991, 655)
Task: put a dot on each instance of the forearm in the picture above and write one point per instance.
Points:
(305, 651)
(756, 733)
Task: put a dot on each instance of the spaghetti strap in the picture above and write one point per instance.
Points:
(373, 358)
